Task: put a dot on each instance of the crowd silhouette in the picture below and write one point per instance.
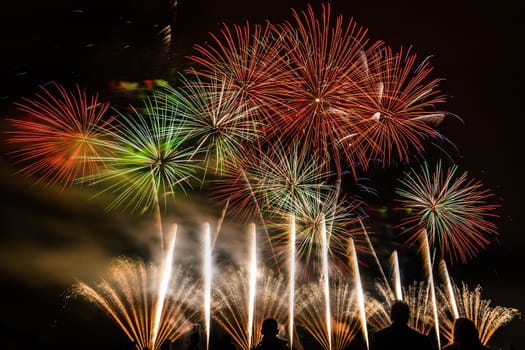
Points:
(397, 336)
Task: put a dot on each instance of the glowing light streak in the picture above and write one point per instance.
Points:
(326, 281)
(252, 283)
(428, 265)
(292, 281)
(448, 283)
(397, 276)
(207, 281)
(164, 284)
(359, 290)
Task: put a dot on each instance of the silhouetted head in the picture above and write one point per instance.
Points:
(194, 338)
(465, 332)
(270, 327)
(399, 312)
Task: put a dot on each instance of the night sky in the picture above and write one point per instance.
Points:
(51, 238)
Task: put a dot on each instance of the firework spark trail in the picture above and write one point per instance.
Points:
(448, 283)
(326, 281)
(207, 281)
(59, 135)
(252, 284)
(292, 280)
(359, 290)
(397, 276)
(164, 285)
(452, 209)
(425, 247)
(372, 249)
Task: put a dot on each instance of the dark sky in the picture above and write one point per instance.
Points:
(476, 48)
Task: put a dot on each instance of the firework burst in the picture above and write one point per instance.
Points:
(325, 54)
(452, 209)
(59, 135)
(393, 108)
(341, 218)
(151, 161)
(274, 180)
(213, 119)
(248, 60)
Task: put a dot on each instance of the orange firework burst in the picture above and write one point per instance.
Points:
(59, 135)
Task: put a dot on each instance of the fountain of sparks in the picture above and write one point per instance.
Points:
(310, 307)
(359, 290)
(326, 281)
(230, 303)
(207, 271)
(397, 276)
(292, 281)
(415, 295)
(147, 317)
(428, 265)
(164, 284)
(488, 319)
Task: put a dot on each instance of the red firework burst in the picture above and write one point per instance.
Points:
(58, 137)
(248, 60)
(393, 109)
(326, 57)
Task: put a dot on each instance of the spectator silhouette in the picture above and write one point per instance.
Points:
(465, 336)
(226, 343)
(194, 341)
(399, 336)
(270, 341)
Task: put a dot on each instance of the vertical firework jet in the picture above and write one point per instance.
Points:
(231, 303)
